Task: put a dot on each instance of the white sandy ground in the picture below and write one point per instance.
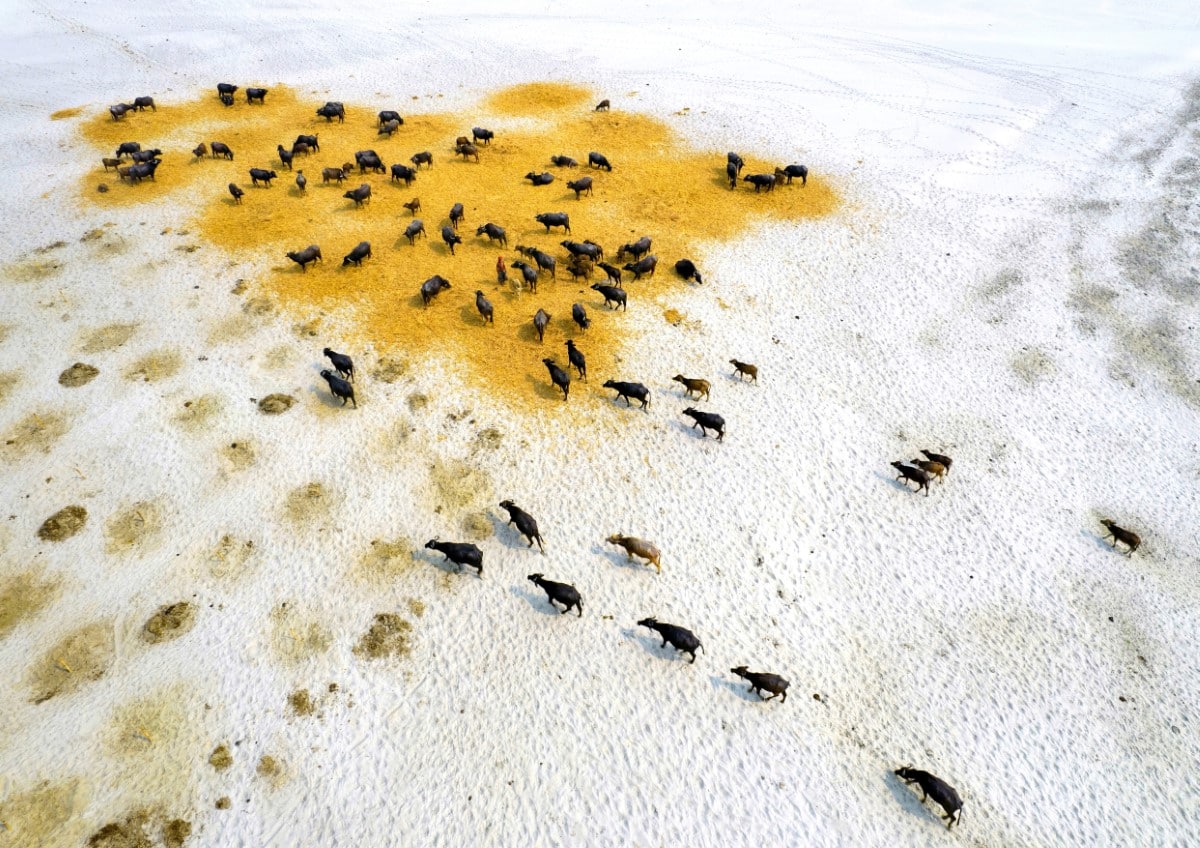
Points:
(1013, 280)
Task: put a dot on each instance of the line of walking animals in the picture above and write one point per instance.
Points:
(583, 255)
(468, 554)
(936, 465)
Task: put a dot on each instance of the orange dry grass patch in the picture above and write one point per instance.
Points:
(659, 186)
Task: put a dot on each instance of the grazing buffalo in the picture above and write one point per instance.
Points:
(403, 172)
(636, 249)
(645, 265)
(554, 219)
(261, 175)
(360, 195)
(331, 110)
(432, 287)
(361, 251)
(494, 233)
(312, 253)
(416, 227)
(581, 186)
(760, 181)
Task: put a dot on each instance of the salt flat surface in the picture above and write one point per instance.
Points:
(1012, 281)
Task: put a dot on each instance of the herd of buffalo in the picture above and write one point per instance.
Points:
(582, 258)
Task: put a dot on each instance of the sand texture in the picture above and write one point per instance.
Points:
(220, 619)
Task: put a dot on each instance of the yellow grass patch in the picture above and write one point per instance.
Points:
(535, 98)
(660, 186)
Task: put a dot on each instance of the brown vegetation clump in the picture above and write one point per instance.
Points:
(170, 622)
(136, 830)
(63, 524)
(220, 758)
(276, 404)
(388, 636)
(130, 833)
(271, 770)
(176, 832)
(79, 374)
(302, 703)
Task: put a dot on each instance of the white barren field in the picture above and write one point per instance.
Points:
(1011, 280)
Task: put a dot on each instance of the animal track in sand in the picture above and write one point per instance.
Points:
(384, 562)
(660, 185)
(32, 270)
(80, 657)
(232, 328)
(133, 526)
(1032, 365)
(258, 307)
(8, 382)
(153, 743)
(24, 595)
(36, 432)
(456, 484)
(308, 503)
(296, 635)
(389, 369)
(155, 366)
(237, 456)
(229, 557)
(107, 337)
(49, 813)
(197, 414)
(281, 357)
(477, 526)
